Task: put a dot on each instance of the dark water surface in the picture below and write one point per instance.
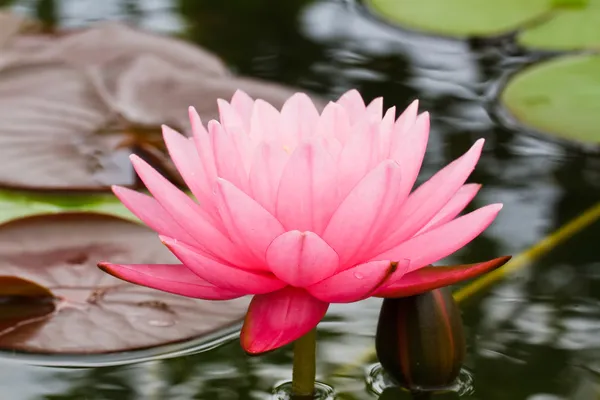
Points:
(534, 335)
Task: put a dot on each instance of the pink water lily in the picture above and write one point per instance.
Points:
(302, 209)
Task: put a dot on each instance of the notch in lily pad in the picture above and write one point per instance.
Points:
(553, 25)
(461, 18)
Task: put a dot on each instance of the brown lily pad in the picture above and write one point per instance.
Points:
(22, 301)
(73, 106)
(9, 26)
(109, 41)
(92, 312)
(152, 91)
(56, 131)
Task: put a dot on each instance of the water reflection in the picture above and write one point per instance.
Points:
(533, 336)
(379, 382)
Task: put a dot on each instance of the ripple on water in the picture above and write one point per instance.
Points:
(378, 380)
(283, 391)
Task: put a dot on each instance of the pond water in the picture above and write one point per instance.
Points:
(534, 335)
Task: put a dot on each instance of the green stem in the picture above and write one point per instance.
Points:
(304, 372)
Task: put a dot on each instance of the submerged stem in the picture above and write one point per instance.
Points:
(304, 370)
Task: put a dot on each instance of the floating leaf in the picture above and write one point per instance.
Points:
(9, 26)
(575, 26)
(542, 24)
(74, 109)
(461, 18)
(110, 41)
(55, 131)
(14, 204)
(22, 301)
(152, 91)
(559, 97)
(96, 313)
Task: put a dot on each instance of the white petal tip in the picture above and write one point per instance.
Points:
(240, 92)
(117, 189)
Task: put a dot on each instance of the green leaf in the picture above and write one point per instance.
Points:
(461, 18)
(14, 204)
(572, 28)
(559, 97)
(570, 3)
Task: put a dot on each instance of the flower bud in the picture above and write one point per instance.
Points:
(420, 340)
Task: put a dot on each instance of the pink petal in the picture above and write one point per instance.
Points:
(438, 243)
(186, 159)
(375, 109)
(430, 197)
(229, 162)
(334, 122)
(301, 258)
(353, 102)
(170, 278)
(430, 278)
(332, 146)
(306, 197)
(457, 203)
(298, 117)
(187, 214)
(250, 226)
(265, 174)
(402, 127)
(356, 283)
(243, 104)
(152, 213)
(359, 155)
(203, 147)
(224, 276)
(385, 133)
(265, 123)
(367, 207)
(231, 121)
(410, 144)
(279, 318)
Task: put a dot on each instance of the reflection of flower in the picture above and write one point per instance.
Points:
(302, 210)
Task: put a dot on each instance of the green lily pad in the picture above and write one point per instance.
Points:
(560, 97)
(14, 204)
(462, 18)
(572, 28)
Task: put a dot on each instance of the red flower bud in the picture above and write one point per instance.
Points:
(420, 340)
